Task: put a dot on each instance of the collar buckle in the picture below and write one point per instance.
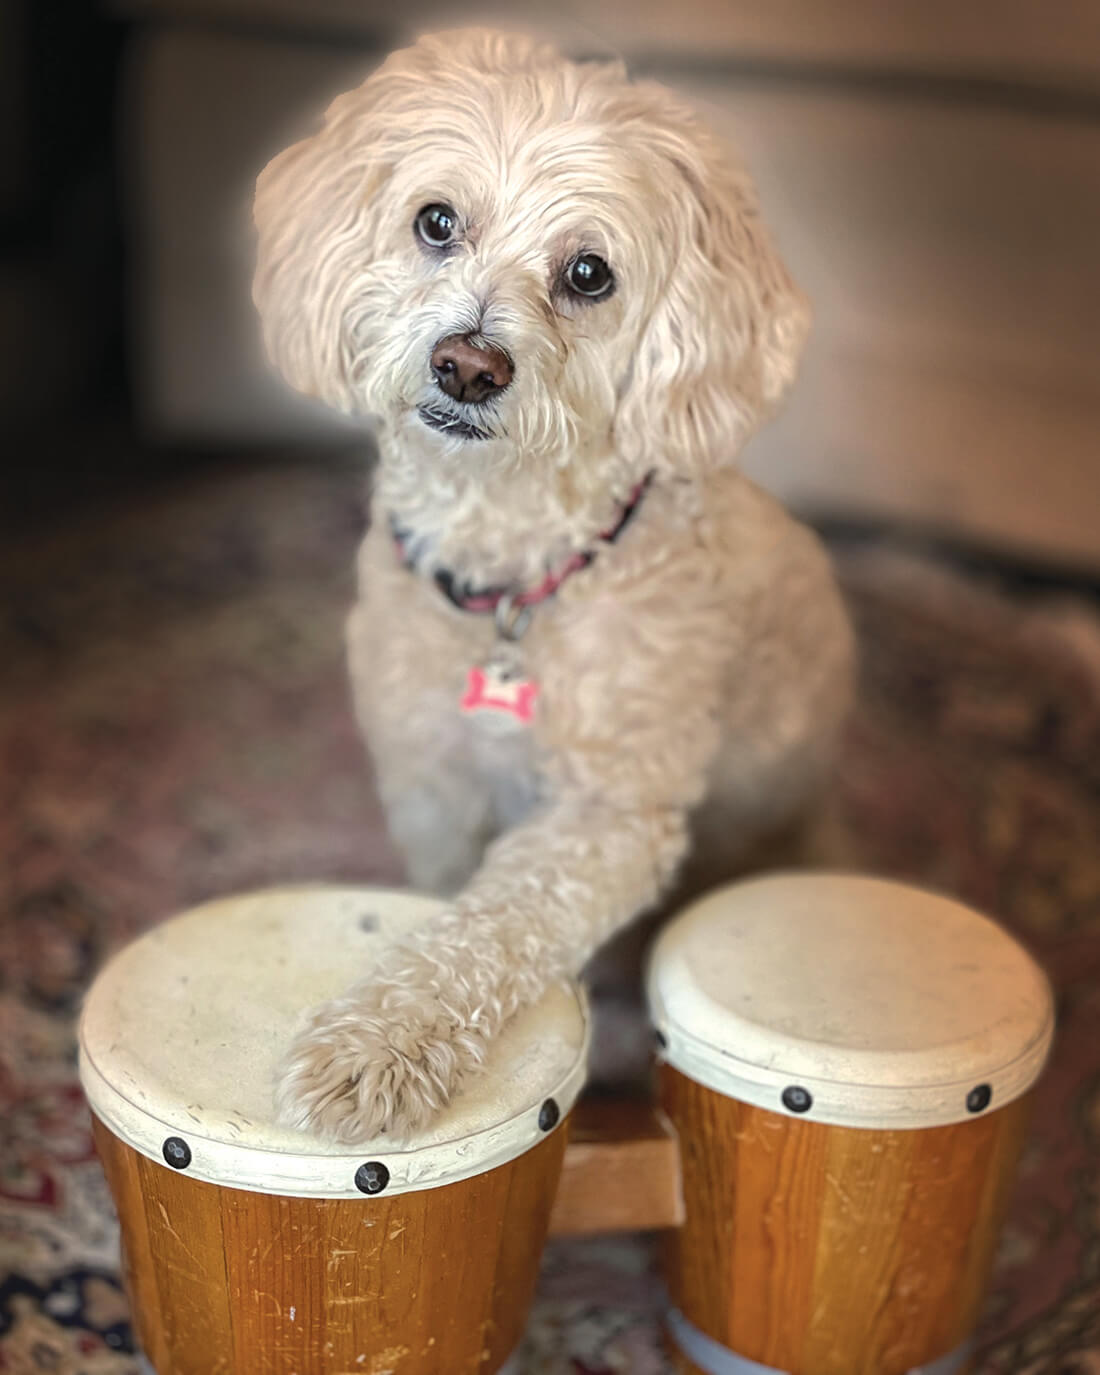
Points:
(511, 617)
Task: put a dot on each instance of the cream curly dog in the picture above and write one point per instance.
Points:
(582, 639)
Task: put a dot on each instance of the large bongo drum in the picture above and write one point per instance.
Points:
(251, 1249)
(847, 1063)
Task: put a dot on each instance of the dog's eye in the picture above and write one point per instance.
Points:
(589, 276)
(437, 225)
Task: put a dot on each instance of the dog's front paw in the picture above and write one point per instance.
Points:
(385, 1058)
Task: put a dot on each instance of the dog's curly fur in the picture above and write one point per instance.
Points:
(693, 678)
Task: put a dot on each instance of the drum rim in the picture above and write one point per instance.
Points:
(834, 1101)
(328, 1174)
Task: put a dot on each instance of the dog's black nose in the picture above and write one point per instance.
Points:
(468, 373)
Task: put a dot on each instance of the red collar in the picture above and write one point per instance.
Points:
(490, 600)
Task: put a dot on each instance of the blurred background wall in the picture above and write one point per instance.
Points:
(931, 168)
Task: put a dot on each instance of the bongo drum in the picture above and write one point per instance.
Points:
(253, 1249)
(847, 1063)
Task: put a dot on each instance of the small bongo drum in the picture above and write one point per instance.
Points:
(251, 1249)
(847, 1063)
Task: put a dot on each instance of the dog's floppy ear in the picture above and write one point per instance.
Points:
(723, 341)
(315, 213)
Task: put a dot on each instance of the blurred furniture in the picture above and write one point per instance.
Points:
(60, 290)
(932, 171)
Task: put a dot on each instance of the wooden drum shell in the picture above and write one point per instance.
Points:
(828, 1250)
(436, 1281)
(260, 1255)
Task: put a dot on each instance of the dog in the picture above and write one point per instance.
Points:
(588, 655)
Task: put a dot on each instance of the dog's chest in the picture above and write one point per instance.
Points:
(504, 758)
(498, 713)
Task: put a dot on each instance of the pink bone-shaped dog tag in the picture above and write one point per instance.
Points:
(487, 690)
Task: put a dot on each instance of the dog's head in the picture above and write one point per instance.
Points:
(503, 253)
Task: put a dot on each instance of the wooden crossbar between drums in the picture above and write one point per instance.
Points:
(621, 1171)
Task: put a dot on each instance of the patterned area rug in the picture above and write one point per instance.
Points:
(174, 724)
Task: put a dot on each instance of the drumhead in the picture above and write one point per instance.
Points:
(848, 1000)
(182, 1032)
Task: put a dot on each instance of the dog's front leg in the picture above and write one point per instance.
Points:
(619, 785)
(392, 1052)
